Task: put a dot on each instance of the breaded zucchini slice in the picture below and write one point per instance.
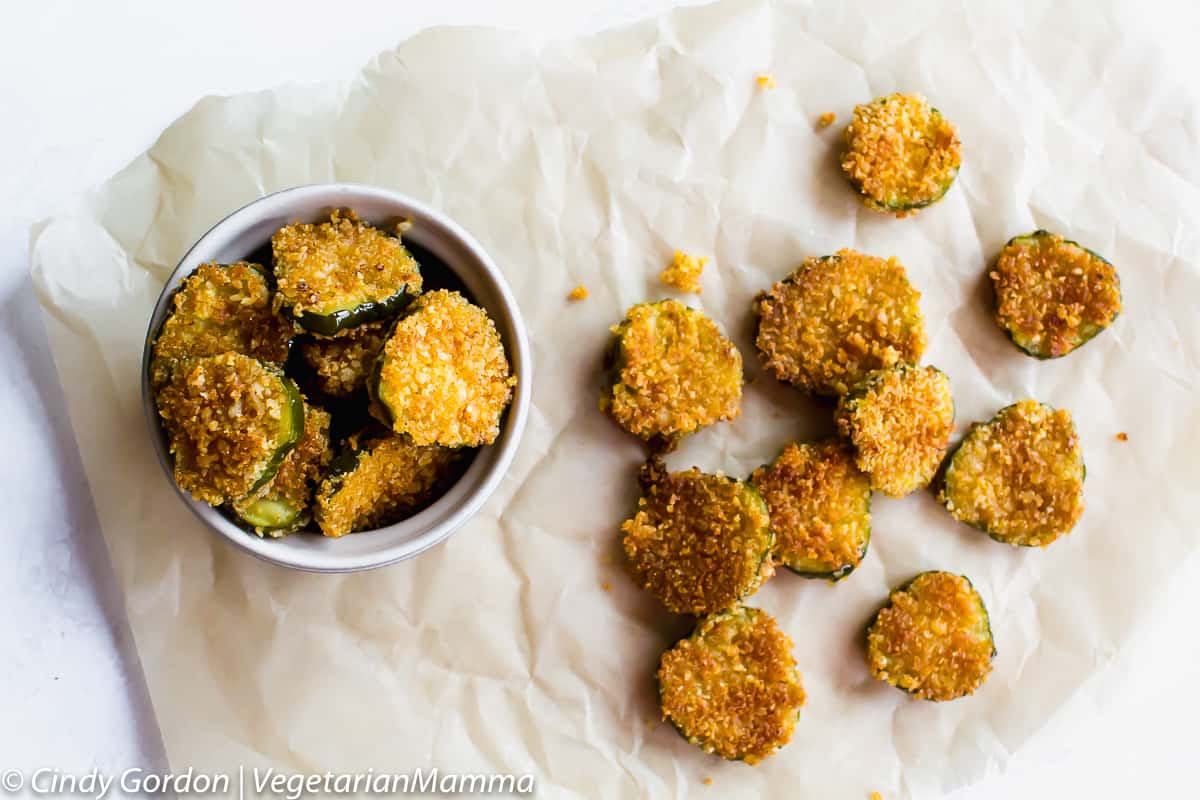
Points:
(933, 638)
(1019, 477)
(221, 308)
(442, 376)
(698, 542)
(836, 318)
(732, 687)
(670, 371)
(342, 273)
(342, 364)
(231, 420)
(1053, 295)
(900, 154)
(380, 480)
(899, 421)
(281, 505)
(820, 506)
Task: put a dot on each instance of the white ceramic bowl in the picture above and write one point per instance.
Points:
(250, 228)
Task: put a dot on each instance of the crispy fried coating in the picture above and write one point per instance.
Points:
(836, 318)
(671, 372)
(1019, 477)
(698, 542)
(732, 687)
(820, 506)
(900, 154)
(933, 638)
(342, 364)
(684, 272)
(444, 378)
(899, 421)
(1052, 295)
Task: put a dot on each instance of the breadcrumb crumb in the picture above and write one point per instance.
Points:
(1122, 437)
(580, 292)
(826, 119)
(684, 272)
(765, 80)
(876, 796)
(707, 781)
(606, 586)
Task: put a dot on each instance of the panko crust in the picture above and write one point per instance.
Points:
(699, 543)
(820, 507)
(900, 421)
(1019, 477)
(320, 266)
(230, 420)
(933, 638)
(836, 318)
(442, 376)
(299, 472)
(733, 688)
(900, 154)
(380, 481)
(221, 308)
(670, 372)
(343, 364)
(1053, 295)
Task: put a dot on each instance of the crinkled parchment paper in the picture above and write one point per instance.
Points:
(588, 161)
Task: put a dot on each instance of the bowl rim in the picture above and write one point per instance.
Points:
(470, 501)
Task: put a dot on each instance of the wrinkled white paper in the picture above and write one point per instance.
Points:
(589, 161)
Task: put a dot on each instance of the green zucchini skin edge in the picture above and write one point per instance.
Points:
(295, 419)
(940, 483)
(987, 618)
(331, 324)
(996, 300)
(264, 524)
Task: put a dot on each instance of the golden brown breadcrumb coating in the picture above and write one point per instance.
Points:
(684, 272)
(221, 308)
(933, 638)
(672, 372)
(342, 364)
(321, 268)
(698, 542)
(732, 687)
(836, 318)
(820, 506)
(230, 421)
(1018, 477)
(899, 421)
(901, 154)
(1052, 295)
(444, 377)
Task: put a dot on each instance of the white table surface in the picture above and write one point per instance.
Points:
(85, 87)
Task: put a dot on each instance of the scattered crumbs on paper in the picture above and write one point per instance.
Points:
(707, 781)
(1122, 437)
(825, 120)
(580, 292)
(684, 272)
(876, 796)
(765, 80)
(606, 586)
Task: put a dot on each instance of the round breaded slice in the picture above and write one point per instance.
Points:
(899, 421)
(380, 480)
(1053, 295)
(820, 507)
(900, 154)
(231, 421)
(442, 377)
(281, 506)
(341, 365)
(698, 542)
(221, 308)
(836, 318)
(670, 371)
(335, 275)
(1019, 477)
(933, 639)
(732, 687)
